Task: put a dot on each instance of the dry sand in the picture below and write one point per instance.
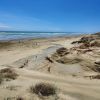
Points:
(71, 78)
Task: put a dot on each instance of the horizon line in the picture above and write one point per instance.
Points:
(44, 31)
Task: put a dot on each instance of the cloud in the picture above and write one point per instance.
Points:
(4, 25)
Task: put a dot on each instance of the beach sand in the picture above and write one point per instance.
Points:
(37, 60)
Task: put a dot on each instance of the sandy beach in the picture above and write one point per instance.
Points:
(71, 64)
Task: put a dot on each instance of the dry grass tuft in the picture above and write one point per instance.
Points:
(1, 79)
(8, 73)
(14, 98)
(84, 46)
(96, 77)
(87, 39)
(5, 44)
(66, 60)
(74, 42)
(6, 70)
(19, 98)
(43, 89)
(62, 51)
(98, 33)
(97, 66)
(95, 44)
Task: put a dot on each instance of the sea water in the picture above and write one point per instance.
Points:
(13, 35)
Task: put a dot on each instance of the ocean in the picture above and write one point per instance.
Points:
(14, 35)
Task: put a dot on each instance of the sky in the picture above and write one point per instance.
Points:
(50, 15)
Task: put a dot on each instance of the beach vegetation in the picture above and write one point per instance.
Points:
(43, 89)
(19, 98)
(62, 51)
(8, 73)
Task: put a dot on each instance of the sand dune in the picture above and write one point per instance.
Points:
(72, 71)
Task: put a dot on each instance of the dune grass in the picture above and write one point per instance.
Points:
(43, 89)
(7, 74)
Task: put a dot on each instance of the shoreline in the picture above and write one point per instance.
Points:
(22, 36)
(37, 38)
